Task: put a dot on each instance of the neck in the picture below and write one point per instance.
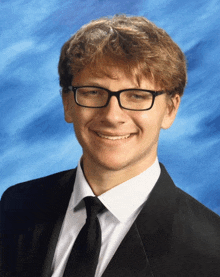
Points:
(102, 179)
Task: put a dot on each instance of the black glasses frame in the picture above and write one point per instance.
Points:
(117, 95)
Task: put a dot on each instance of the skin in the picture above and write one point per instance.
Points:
(106, 162)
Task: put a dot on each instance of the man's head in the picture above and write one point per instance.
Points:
(120, 54)
(135, 43)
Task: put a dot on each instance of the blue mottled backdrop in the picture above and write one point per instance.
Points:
(35, 140)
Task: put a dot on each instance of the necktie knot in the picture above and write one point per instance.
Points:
(93, 206)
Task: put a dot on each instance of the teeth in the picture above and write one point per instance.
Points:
(113, 137)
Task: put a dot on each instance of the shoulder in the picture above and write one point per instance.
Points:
(43, 191)
(194, 226)
(200, 219)
(185, 206)
(39, 185)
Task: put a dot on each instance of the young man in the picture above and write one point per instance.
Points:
(122, 79)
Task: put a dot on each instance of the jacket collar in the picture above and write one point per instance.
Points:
(57, 210)
(155, 220)
(150, 234)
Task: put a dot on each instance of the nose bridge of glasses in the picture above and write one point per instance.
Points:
(115, 94)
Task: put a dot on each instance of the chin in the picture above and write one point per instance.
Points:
(113, 166)
(113, 163)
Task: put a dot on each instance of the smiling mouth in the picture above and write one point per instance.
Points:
(113, 137)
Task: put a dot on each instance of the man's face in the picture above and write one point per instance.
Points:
(113, 138)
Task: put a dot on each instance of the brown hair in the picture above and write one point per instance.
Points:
(134, 42)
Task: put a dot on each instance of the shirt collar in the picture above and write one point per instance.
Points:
(123, 200)
(81, 188)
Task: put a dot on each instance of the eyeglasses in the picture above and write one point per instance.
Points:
(129, 99)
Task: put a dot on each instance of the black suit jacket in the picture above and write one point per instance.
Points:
(174, 235)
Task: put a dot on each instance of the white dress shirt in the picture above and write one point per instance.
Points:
(123, 204)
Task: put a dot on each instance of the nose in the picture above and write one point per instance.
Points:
(113, 113)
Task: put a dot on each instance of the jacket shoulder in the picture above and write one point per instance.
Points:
(36, 185)
(43, 191)
(197, 217)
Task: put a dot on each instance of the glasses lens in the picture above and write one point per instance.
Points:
(136, 99)
(91, 97)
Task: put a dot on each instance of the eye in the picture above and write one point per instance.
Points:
(93, 92)
(90, 92)
(138, 95)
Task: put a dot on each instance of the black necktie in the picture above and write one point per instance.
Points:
(84, 255)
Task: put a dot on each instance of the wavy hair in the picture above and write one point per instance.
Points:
(129, 41)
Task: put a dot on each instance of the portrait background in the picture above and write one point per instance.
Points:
(35, 140)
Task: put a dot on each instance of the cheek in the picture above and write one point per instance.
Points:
(149, 122)
(143, 120)
(82, 118)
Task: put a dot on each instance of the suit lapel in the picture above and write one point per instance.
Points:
(155, 221)
(47, 268)
(60, 205)
(130, 258)
(149, 237)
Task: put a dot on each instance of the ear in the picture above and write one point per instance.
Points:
(171, 111)
(68, 106)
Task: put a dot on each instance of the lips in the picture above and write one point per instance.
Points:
(113, 137)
